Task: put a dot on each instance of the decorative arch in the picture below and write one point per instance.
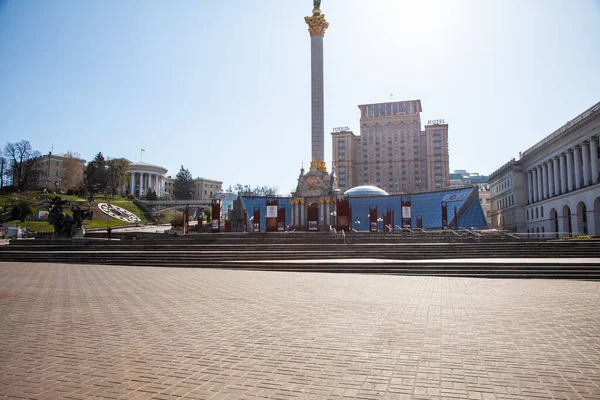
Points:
(554, 221)
(582, 218)
(567, 225)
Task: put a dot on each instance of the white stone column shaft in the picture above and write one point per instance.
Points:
(544, 182)
(538, 182)
(530, 186)
(550, 176)
(587, 165)
(317, 102)
(569, 170)
(577, 161)
(132, 187)
(594, 160)
(321, 214)
(555, 168)
(302, 219)
(535, 185)
(563, 174)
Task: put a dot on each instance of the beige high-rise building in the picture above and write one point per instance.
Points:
(392, 152)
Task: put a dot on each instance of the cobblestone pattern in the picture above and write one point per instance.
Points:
(79, 332)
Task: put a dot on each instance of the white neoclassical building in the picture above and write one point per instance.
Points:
(553, 190)
(145, 177)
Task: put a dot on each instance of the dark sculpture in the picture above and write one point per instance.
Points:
(316, 3)
(66, 225)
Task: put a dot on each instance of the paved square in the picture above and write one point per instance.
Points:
(84, 331)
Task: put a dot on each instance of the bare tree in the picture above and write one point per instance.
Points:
(3, 170)
(71, 171)
(23, 166)
(246, 190)
(117, 174)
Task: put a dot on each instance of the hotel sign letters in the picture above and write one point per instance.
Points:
(436, 122)
(341, 129)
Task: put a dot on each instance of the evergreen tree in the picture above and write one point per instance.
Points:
(183, 184)
(96, 174)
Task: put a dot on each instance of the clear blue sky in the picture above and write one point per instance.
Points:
(223, 87)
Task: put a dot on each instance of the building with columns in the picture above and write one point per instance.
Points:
(145, 177)
(553, 190)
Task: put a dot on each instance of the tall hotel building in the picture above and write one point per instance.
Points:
(392, 152)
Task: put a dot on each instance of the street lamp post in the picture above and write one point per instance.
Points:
(378, 221)
(333, 220)
(357, 222)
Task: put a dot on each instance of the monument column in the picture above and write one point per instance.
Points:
(316, 27)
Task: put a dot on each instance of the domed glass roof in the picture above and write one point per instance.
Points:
(365, 191)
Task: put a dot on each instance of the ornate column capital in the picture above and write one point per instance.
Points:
(317, 24)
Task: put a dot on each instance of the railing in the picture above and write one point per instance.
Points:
(470, 232)
(563, 128)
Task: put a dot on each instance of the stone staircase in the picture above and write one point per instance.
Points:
(357, 253)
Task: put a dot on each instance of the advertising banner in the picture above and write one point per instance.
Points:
(373, 219)
(271, 215)
(456, 197)
(272, 211)
(216, 215)
(406, 212)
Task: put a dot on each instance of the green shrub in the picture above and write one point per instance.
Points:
(21, 210)
(177, 222)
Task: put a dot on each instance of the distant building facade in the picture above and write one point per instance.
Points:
(392, 152)
(507, 198)
(553, 190)
(60, 171)
(461, 178)
(202, 188)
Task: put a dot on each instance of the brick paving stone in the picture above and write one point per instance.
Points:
(85, 331)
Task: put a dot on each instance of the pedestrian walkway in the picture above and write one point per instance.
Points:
(87, 331)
